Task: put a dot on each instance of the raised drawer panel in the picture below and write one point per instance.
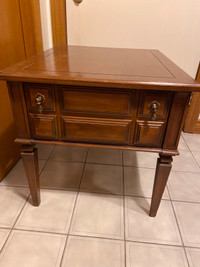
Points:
(43, 126)
(149, 133)
(147, 97)
(31, 90)
(95, 130)
(95, 101)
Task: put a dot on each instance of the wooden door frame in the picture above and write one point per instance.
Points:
(192, 122)
(59, 22)
(21, 38)
(31, 26)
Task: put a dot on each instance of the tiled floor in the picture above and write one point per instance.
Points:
(94, 210)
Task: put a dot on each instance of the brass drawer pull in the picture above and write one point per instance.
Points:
(39, 100)
(153, 106)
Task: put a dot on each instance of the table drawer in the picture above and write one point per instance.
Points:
(43, 126)
(149, 133)
(95, 101)
(46, 90)
(148, 97)
(95, 130)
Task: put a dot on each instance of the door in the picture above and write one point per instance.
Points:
(192, 122)
(20, 37)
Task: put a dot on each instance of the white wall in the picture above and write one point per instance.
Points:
(46, 24)
(172, 26)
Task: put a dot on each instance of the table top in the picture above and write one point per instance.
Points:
(106, 67)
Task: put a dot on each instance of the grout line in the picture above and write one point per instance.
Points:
(5, 228)
(178, 227)
(192, 247)
(185, 171)
(105, 193)
(86, 155)
(132, 241)
(100, 237)
(29, 195)
(65, 246)
(12, 228)
(124, 217)
(72, 215)
(6, 241)
(186, 201)
(186, 256)
(153, 243)
(78, 191)
(177, 224)
(176, 219)
(123, 158)
(38, 231)
(17, 186)
(170, 198)
(195, 160)
(97, 237)
(185, 141)
(51, 152)
(40, 173)
(191, 151)
(98, 163)
(197, 172)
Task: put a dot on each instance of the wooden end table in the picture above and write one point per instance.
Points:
(131, 99)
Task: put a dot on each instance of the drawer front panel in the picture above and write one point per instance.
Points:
(95, 101)
(43, 126)
(147, 97)
(31, 90)
(149, 133)
(95, 130)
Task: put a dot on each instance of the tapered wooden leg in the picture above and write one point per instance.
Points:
(161, 176)
(30, 159)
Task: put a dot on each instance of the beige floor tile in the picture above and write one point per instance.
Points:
(197, 157)
(184, 186)
(139, 182)
(32, 249)
(188, 216)
(102, 179)
(140, 159)
(182, 145)
(104, 156)
(54, 204)
(17, 176)
(12, 200)
(193, 141)
(98, 215)
(61, 175)
(69, 153)
(44, 150)
(140, 227)
(93, 252)
(149, 255)
(193, 255)
(3, 236)
(184, 162)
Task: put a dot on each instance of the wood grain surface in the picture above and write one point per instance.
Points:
(105, 67)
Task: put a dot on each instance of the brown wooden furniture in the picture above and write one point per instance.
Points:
(117, 98)
(192, 122)
(58, 22)
(20, 37)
